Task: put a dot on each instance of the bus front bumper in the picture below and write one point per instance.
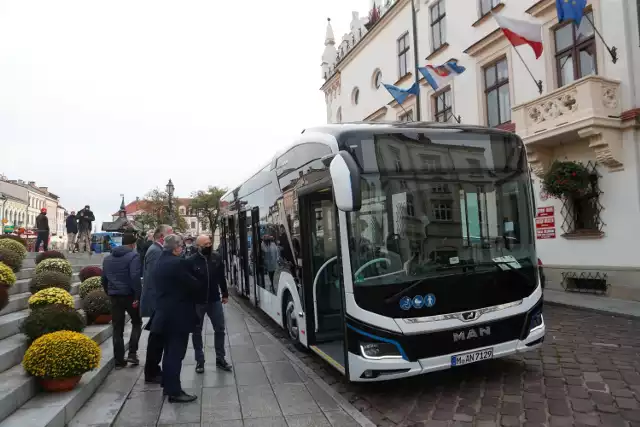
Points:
(365, 370)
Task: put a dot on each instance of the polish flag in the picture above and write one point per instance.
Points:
(522, 32)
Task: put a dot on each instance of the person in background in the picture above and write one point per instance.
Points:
(189, 249)
(85, 219)
(155, 344)
(271, 252)
(144, 243)
(208, 269)
(72, 231)
(175, 317)
(42, 224)
(121, 281)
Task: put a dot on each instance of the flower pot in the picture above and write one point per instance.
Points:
(59, 384)
(102, 319)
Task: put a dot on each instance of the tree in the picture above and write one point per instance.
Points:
(207, 206)
(156, 212)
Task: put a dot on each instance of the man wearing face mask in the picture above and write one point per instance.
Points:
(189, 248)
(208, 268)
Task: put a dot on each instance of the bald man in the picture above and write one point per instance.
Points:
(208, 267)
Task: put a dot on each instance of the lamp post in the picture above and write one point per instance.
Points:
(170, 187)
(3, 198)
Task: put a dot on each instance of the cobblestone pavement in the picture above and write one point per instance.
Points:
(586, 374)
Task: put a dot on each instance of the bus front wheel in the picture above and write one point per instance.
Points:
(290, 321)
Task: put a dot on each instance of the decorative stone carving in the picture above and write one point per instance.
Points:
(610, 96)
(549, 109)
(607, 144)
(539, 159)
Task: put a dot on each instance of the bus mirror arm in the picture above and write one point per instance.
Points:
(345, 175)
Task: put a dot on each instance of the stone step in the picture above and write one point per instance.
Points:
(71, 256)
(27, 273)
(10, 323)
(12, 350)
(17, 388)
(22, 285)
(18, 302)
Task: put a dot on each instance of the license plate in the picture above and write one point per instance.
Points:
(474, 356)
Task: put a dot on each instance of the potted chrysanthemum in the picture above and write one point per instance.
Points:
(59, 359)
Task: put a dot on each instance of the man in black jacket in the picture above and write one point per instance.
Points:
(208, 268)
(121, 281)
(175, 316)
(72, 231)
(85, 219)
(42, 224)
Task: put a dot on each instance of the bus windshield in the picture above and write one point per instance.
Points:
(442, 212)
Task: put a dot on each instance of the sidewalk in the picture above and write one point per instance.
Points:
(600, 304)
(269, 387)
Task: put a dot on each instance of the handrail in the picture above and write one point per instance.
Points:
(315, 283)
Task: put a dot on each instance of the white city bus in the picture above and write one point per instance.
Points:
(391, 249)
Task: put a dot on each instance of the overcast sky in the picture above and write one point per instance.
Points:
(99, 98)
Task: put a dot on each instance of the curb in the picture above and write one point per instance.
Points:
(593, 310)
(357, 416)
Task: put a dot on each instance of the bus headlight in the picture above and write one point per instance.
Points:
(379, 350)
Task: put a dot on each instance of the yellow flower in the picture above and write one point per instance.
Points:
(55, 264)
(7, 277)
(90, 285)
(51, 296)
(61, 354)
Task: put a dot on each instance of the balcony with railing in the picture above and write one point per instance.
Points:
(586, 110)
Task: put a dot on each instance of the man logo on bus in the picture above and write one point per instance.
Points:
(405, 303)
(430, 300)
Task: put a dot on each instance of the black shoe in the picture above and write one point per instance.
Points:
(154, 380)
(133, 359)
(182, 398)
(200, 367)
(121, 365)
(222, 364)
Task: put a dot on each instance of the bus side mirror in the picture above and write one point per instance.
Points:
(345, 175)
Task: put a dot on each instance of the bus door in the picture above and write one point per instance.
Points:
(243, 253)
(256, 254)
(323, 286)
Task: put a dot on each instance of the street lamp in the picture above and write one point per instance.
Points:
(3, 198)
(170, 189)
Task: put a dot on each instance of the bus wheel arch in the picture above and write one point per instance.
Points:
(290, 318)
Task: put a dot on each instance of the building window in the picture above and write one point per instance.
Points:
(193, 225)
(406, 116)
(396, 158)
(575, 51)
(438, 25)
(430, 163)
(403, 55)
(442, 210)
(339, 115)
(377, 79)
(443, 106)
(496, 83)
(355, 96)
(487, 5)
(475, 167)
(440, 188)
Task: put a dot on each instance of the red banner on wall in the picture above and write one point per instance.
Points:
(546, 223)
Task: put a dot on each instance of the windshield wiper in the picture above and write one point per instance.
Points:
(470, 267)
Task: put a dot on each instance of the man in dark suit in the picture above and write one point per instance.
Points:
(175, 316)
(155, 345)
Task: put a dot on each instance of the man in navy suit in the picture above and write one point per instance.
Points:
(175, 315)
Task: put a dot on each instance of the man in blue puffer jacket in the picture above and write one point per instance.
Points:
(121, 281)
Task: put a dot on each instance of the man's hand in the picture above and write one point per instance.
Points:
(135, 304)
(225, 300)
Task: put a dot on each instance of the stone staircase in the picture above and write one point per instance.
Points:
(21, 403)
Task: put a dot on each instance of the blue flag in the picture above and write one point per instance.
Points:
(571, 10)
(399, 94)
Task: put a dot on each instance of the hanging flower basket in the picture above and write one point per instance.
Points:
(567, 179)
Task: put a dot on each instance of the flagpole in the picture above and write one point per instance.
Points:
(613, 51)
(414, 20)
(537, 82)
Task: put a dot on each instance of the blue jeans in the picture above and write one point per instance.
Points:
(216, 315)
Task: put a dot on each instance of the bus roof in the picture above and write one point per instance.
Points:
(331, 134)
